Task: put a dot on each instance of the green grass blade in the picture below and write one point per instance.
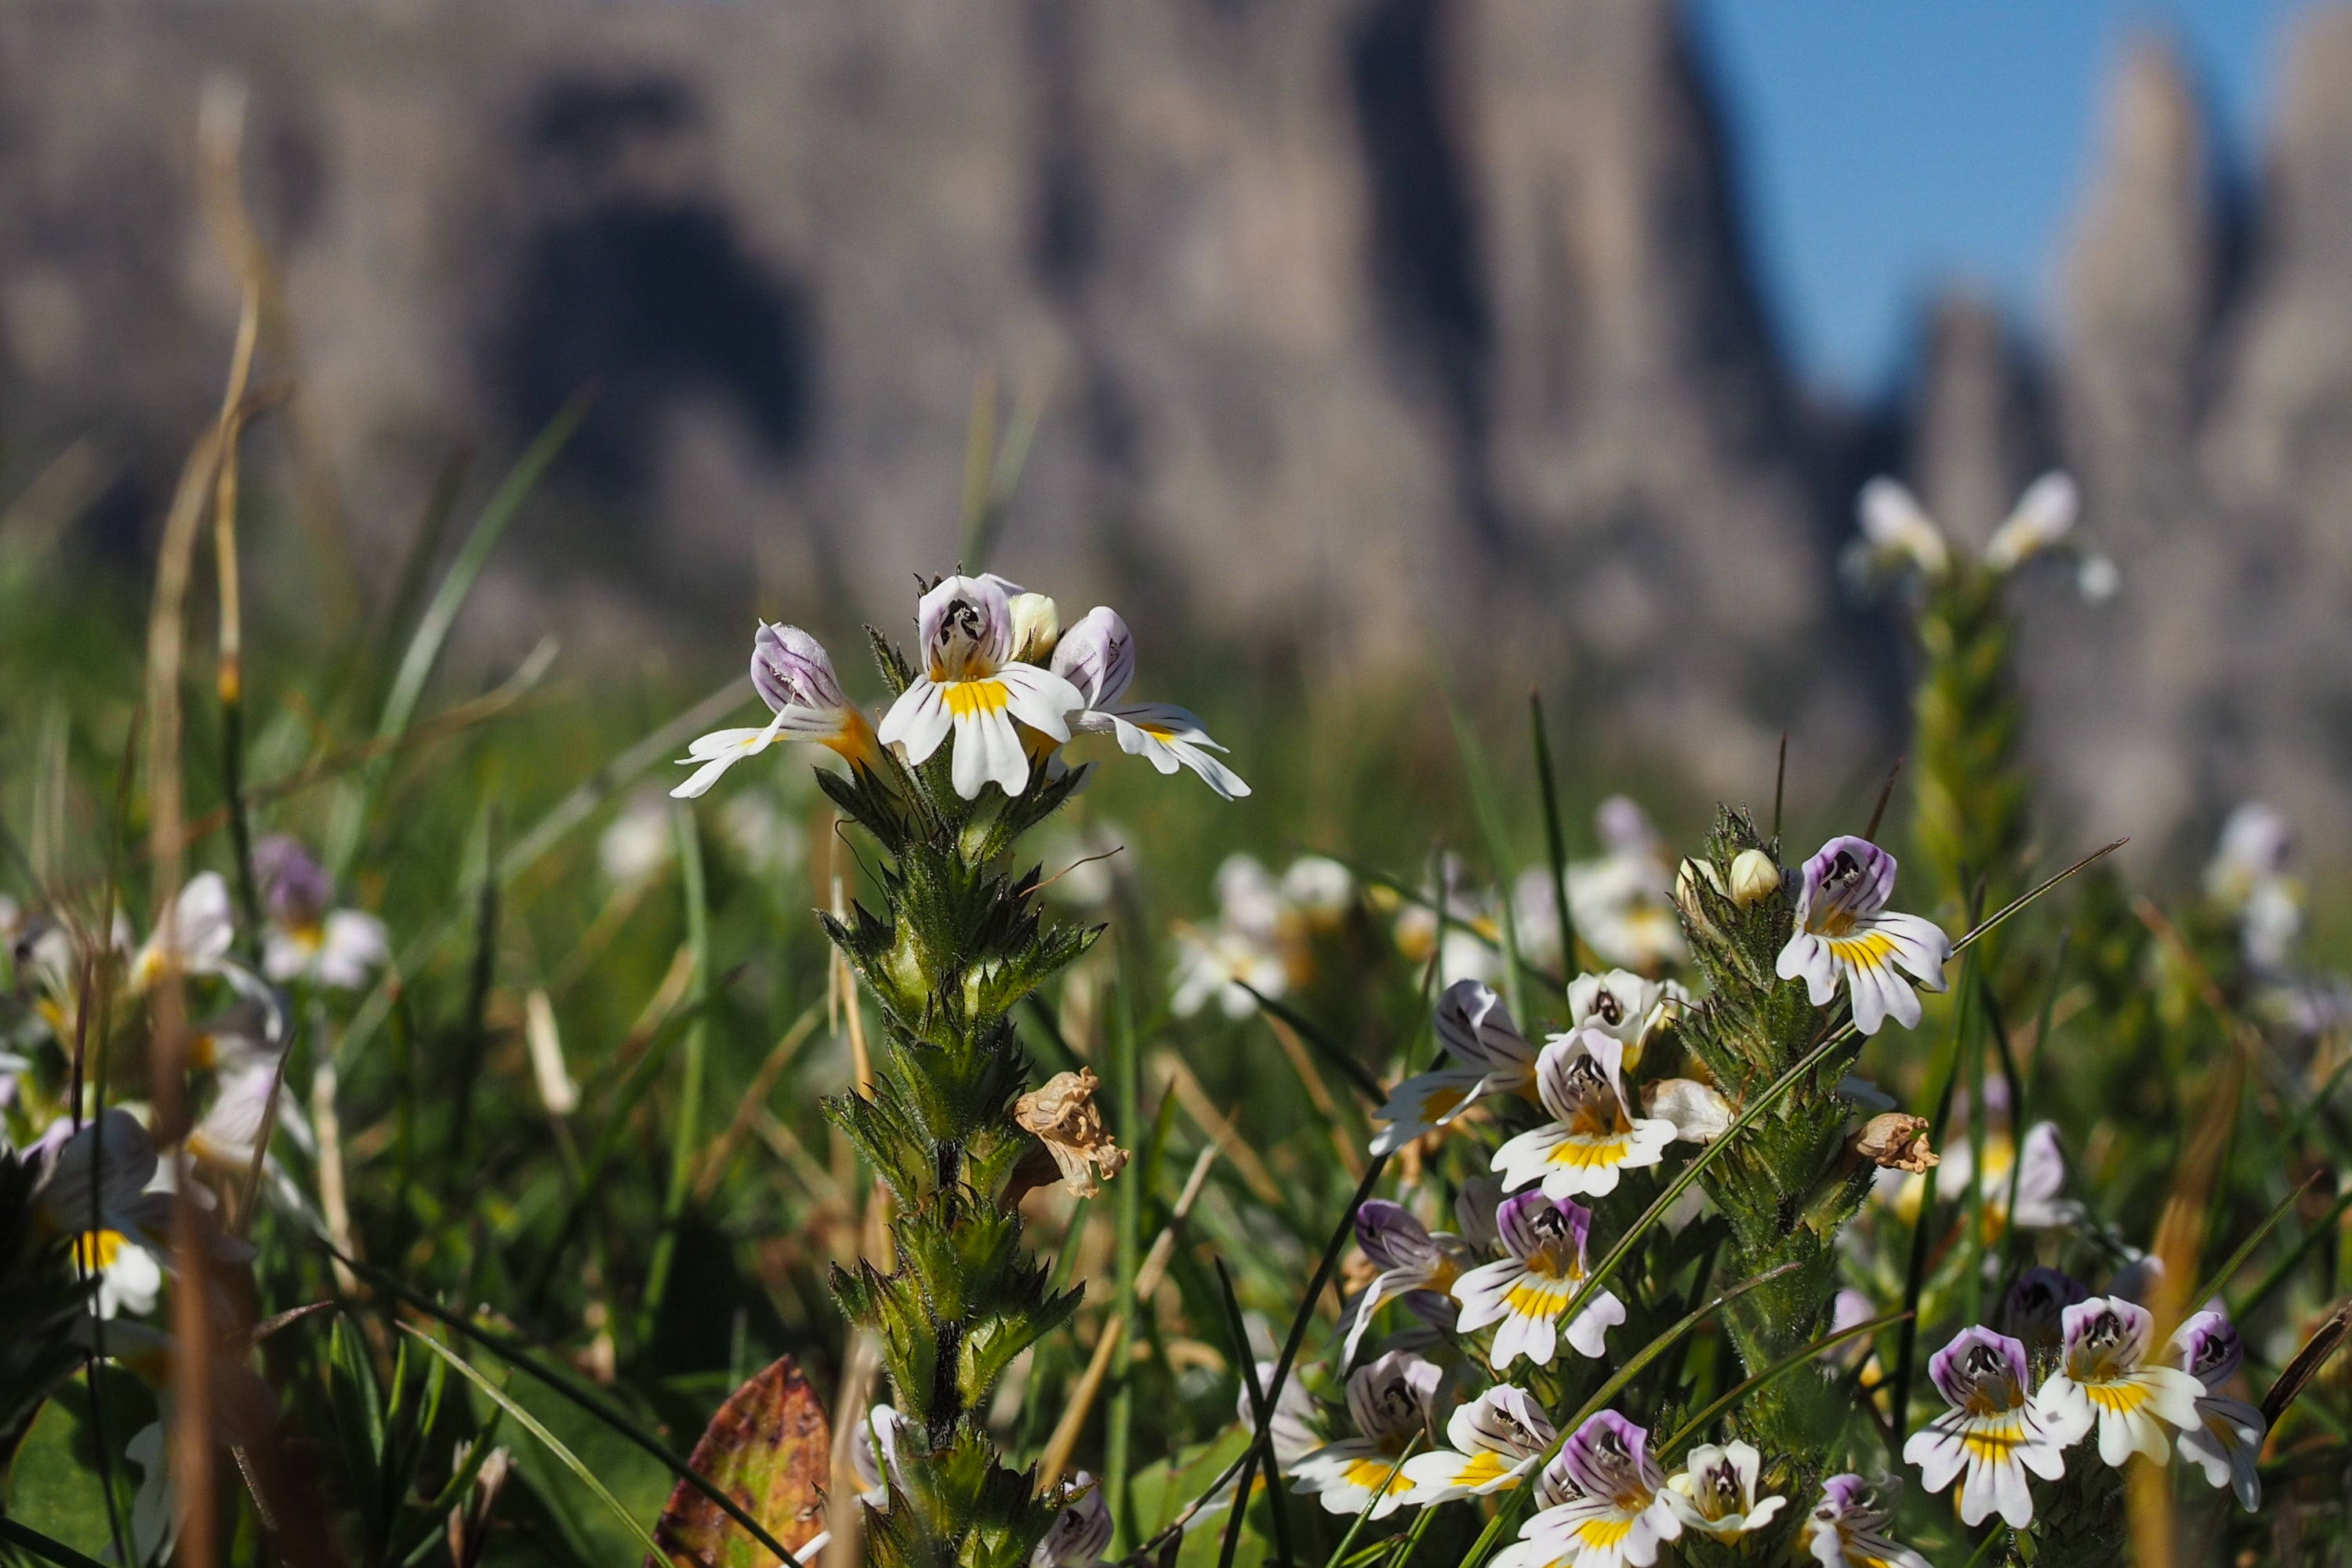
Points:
(1778, 1368)
(2213, 1282)
(530, 1422)
(433, 628)
(684, 1155)
(1556, 840)
(2325, 1231)
(1498, 853)
(42, 1547)
(519, 1357)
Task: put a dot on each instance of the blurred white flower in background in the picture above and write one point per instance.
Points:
(638, 842)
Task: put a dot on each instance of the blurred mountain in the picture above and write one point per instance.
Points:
(1364, 332)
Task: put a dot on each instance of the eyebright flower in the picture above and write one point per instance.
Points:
(1621, 1514)
(129, 1276)
(1619, 902)
(194, 939)
(1593, 1134)
(1625, 1006)
(2227, 1439)
(2105, 1380)
(1715, 1492)
(1845, 932)
(794, 676)
(1389, 1400)
(1848, 1529)
(1062, 1114)
(2042, 517)
(1098, 658)
(1530, 1289)
(1080, 1531)
(1489, 1056)
(115, 1156)
(2035, 1310)
(1293, 1423)
(1413, 1263)
(1497, 1439)
(1992, 1436)
(307, 941)
(971, 684)
(1897, 533)
(227, 1134)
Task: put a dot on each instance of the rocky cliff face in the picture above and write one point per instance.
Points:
(1369, 329)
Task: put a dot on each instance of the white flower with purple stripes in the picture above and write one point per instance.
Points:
(1413, 1263)
(1390, 1401)
(2227, 1440)
(1593, 1134)
(1495, 1439)
(1992, 1436)
(1528, 1291)
(2104, 1379)
(1845, 933)
(1097, 656)
(1848, 1529)
(1715, 1493)
(1618, 1514)
(970, 685)
(1487, 1055)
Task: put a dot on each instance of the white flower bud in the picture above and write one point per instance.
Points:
(1754, 877)
(1036, 627)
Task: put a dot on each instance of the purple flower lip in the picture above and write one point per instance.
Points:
(1981, 1372)
(1531, 1223)
(1391, 1238)
(1607, 1457)
(1847, 880)
(791, 669)
(294, 885)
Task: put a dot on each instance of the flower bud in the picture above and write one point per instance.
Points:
(792, 669)
(1036, 627)
(1896, 1141)
(1686, 884)
(1754, 877)
(1700, 1115)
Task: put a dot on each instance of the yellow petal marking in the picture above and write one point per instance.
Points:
(1603, 1533)
(1994, 1445)
(1868, 951)
(97, 1249)
(1585, 1154)
(973, 698)
(1366, 1474)
(1535, 1296)
(2122, 1396)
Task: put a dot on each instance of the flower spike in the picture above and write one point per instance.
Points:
(1845, 932)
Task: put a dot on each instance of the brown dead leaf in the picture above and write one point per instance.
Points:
(769, 1448)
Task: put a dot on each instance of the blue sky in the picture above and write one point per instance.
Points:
(1885, 145)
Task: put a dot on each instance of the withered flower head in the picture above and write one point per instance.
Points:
(1063, 1115)
(1896, 1141)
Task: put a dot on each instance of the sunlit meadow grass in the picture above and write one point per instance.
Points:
(518, 1117)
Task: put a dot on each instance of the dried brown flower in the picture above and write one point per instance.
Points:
(1063, 1115)
(1897, 1141)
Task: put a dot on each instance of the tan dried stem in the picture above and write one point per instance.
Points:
(191, 1456)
